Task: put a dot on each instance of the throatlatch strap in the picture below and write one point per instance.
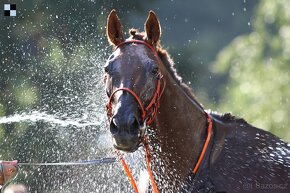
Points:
(208, 137)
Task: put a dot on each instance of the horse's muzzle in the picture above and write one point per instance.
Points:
(126, 142)
(126, 132)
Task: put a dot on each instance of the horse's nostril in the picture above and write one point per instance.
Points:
(128, 124)
(113, 127)
(134, 127)
(131, 119)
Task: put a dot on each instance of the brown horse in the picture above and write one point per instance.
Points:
(238, 158)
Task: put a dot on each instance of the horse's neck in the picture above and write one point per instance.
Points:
(179, 133)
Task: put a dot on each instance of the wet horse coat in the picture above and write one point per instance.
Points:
(240, 157)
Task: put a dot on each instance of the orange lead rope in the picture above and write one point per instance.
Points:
(148, 162)
(148, 159)
(129, 175)
(209, 132)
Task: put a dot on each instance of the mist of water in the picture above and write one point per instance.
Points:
(74, 128)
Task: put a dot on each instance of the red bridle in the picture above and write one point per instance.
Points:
(149, 113)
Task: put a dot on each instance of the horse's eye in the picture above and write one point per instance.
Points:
(111, 56)
(155, 70)
(106, 69)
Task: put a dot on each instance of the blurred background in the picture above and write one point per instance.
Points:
(234, 54)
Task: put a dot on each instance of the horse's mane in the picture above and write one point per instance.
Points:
(229, 118)
(168, 63)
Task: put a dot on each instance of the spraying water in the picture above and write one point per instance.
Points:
(68, 124)
(52, 102)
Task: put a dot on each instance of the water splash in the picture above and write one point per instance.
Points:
(69, 125)
(36, 116)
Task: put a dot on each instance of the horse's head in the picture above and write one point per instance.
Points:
(132, 81)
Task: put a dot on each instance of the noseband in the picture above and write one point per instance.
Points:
(148, 113)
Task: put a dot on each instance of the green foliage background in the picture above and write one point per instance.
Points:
(258, 69)
(234, 54)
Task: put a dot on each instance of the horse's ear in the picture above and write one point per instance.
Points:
(114, 29)
(152, 28)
